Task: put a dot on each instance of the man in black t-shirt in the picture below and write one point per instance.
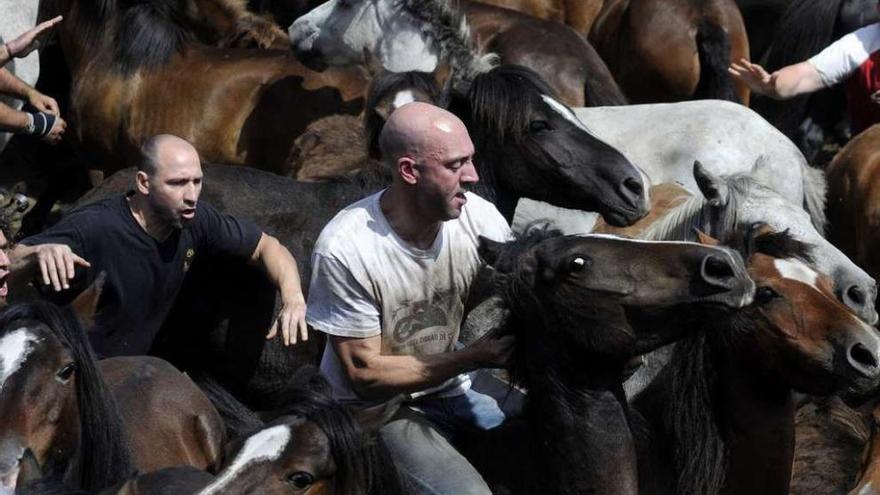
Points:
(145, 241)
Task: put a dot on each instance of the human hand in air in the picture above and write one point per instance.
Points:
(57, 264)
(290, 320)
(26, 43)
(754, 76)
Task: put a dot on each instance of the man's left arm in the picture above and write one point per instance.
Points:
(12, 85)
(281, 268)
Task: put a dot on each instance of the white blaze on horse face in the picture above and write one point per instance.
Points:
(402, 98)
(14, 349)
(797, 270)
(265, 446)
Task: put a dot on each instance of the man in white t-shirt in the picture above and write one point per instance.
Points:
(390, 277)
(854, 58)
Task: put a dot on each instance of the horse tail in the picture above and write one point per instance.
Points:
(713, 48)
(815, 188)
(240, 420)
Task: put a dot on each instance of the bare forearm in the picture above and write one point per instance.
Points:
(12, 85)
(5, 56)
(795, 80)
(12, 120)
(387, 376)
(281, 268)
(21, 258)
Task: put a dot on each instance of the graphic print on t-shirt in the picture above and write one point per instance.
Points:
(428, 325)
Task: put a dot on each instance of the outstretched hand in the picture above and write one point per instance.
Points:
(26, 43)
(754, 76)
(290, 320)
(57, 264)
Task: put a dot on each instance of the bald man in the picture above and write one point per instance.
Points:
(145, 241)
(390, 277)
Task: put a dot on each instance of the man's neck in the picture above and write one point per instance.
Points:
(147, 219)
(407, 223)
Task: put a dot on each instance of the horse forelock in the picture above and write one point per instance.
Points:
(104, 455)
(15, 346)
(385, 84)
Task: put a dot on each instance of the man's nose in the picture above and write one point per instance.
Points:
(191, 193)
(469, 174)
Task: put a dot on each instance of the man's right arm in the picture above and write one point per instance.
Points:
(787, 82)
(56, 263)
(375, 376)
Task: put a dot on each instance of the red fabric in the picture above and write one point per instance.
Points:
(864, 110)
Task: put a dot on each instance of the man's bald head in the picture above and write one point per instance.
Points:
(165, 149)
(416, 128)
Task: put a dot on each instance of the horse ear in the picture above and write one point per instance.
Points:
(761, 169)
(371, 64)
(374, 417)
(85, 304)
(29, 469)
(442, 74)
(128, 488)
(706, 239)
(489, 250)
(712, 187)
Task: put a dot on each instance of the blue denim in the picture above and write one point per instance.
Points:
(420, 441)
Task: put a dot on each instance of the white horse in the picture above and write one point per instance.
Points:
(16, 17)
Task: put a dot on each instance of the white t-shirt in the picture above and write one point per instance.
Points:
(841, 58)
(366, 281)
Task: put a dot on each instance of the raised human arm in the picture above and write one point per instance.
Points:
(281, 268)
(27, 42)
(377, 376)
(56, 262)
(787, 82)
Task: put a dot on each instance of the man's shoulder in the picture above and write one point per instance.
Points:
(353, 224)
(483, 218)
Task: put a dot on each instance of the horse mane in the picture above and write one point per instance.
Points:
(385, 83)
(104, 457)
(693, 417)
(142, 34)
(498, 107)
(453, 34)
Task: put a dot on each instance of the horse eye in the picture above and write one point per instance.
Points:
(301, 480)
(539, 126)
(65, 373)
(765, 294)
(578, 264)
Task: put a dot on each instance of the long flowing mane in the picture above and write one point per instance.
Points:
(693, 416)
(104, 457)
(498, 107)
(452, 32)
(142, 34)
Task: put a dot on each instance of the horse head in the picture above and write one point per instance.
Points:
(53, 402)
(738, 202)
(799, 329)
(607, 296)
(531, 145)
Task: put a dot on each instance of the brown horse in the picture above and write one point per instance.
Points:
(579, 14)
(671, 50)
(853, 199)
(721, 414)
(136, 73)
(581, 309)
(59, 414)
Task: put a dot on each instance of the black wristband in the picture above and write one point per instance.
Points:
(43, 123)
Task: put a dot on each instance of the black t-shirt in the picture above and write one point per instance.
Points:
(143, 274)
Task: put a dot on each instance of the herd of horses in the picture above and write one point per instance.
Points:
(693, 298)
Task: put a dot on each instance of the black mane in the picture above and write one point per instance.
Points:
(104, 456)
(140, 34)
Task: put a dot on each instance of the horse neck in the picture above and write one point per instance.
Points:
(585, 444)
(695, 213)
(757, 415)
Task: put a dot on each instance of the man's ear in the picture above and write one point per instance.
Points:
(406, 167)
(142, 181)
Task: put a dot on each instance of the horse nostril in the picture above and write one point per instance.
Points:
(856, 295)
(863, 359)
(632, 188)
(716, 270)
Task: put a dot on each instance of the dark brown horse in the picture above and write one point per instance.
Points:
(425, 32)
(59, 413)
(670, 50)
(579, 14)
(137, 72)
(581, 309)
(721, 414)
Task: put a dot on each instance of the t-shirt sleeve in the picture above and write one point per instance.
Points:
(490, 223)
(837, 61)
(226, 235)
(338, 303)
(68, 231)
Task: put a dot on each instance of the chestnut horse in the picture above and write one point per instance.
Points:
(579, 14)
(628, 33)
(61, 416)
(581, 307)
(721, 414)
(136, 73)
